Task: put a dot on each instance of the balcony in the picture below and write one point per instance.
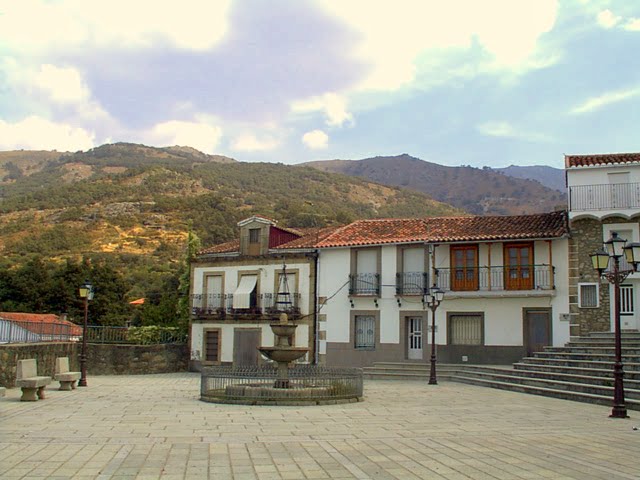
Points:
(221, 306)
(364, 284)
(412, 283)
(496, 278)
(617, 196)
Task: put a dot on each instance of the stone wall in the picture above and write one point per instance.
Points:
(101, 359)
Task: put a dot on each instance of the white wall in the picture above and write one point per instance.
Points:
(503, 310)
(227, 332)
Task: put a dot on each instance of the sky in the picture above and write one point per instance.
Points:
(455, 82)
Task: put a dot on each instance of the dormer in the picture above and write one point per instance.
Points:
(259, 234)
(254, 235)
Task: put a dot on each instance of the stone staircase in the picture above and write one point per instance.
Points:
(409, 371)
(582, 370)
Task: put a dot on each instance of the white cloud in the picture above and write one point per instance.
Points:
(37, 133)
(596, 103)
(332, 105)
(201, 136)
(606, 19)
(62, 84)
(394, 34)
(633, 24)
(316, 139)
(40, 25)
(506, 130)
(250, 143)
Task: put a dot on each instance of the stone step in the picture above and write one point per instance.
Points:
(625, 335)
(407, 371)
(595, 350)
(600, 357)
(632, 404)
(592, 372)
(569, 362)
(602, 343)
(576, 384)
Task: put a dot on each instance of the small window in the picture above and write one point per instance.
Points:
(365, 332)
(466, 329)
(588, 295)
(254, 235)
(626, 300)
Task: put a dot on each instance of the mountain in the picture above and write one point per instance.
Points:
(548, 176)
(478, 191)
(136, 203)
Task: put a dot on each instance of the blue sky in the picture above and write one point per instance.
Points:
(461, 82)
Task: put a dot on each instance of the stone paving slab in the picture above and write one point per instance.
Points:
(154, 427)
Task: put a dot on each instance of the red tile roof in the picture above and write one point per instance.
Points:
(45, 323)
(571, 161)
(448, 229)
(432, 229)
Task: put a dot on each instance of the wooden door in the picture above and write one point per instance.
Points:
(245, 346)
(519, 266)
(464, 267)
(537, 329)
(212, 346)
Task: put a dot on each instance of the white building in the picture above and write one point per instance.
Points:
(505, 283)
(604, 197)
(360, 289)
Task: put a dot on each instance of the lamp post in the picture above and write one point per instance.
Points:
(434, 298)
(86, 292)
(615, 248)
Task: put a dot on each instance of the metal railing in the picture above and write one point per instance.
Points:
(519, 277)
(16, 331)
(255, 384)
(364, 284)
(412, 283)
(133, 335)
(216, 304)
(604, 196)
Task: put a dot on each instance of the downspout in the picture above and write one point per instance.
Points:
(316, 310)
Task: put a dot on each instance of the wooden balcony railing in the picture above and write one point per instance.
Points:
(604, 197)
(496, 278)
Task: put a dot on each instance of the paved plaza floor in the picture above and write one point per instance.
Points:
(154, 426)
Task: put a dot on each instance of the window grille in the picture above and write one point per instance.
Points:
(588, 295)
(365, 331)
(465, 329)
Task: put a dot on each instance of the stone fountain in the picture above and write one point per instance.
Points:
(283, 352)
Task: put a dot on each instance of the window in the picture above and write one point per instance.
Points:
(519, 266)
(214, 294)
(365, 335)
(365, 275)
(464, 267)
(588, 295)
(466, 329)
(626, 300)
(254, 235)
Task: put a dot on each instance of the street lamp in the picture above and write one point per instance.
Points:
(433, 299)
(615, 248)
(86, 292)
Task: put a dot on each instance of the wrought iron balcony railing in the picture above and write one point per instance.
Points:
(364, 284)
(412, 283)
(604, 196)
(220, 305)
(496, 278)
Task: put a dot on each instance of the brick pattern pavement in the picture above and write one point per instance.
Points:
(154, 426)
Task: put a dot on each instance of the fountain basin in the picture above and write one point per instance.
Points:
(280, 354)
(283, 330)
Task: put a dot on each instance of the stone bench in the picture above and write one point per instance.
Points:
(28, 380)
(66, 378)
